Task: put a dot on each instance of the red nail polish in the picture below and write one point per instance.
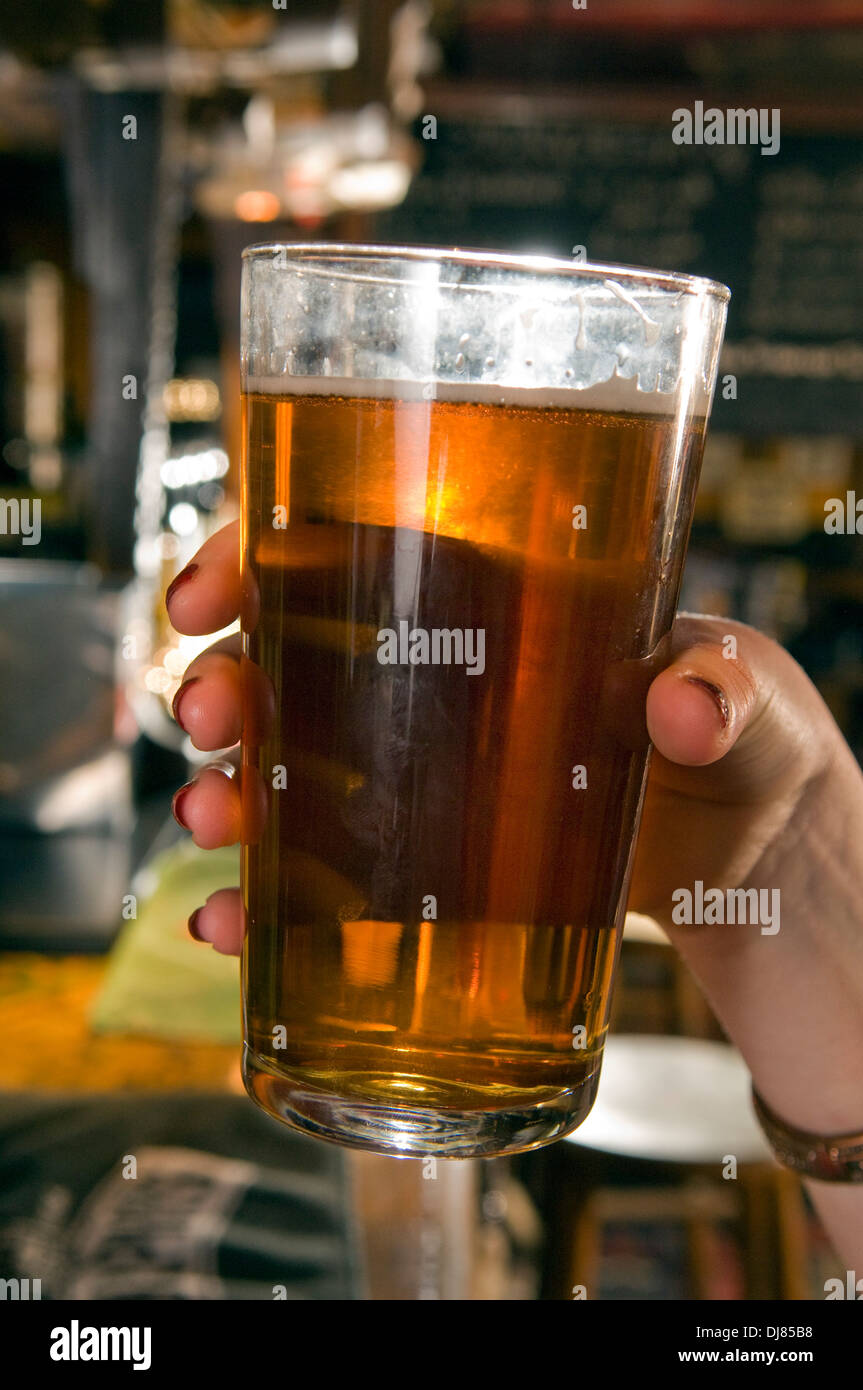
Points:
(177, 805)
(182, 578)
(717, 695)
(178, 700)
(193, 929)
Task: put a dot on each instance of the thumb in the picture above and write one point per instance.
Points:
(733, 716)
(738, 732)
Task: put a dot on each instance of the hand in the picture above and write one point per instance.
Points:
(737, 744)
(206, 597)
(751, 785)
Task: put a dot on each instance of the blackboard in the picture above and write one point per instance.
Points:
(783, 231)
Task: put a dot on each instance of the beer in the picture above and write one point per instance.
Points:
(458, 604)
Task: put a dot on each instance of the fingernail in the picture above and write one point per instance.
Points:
(177, 805)
(225, 766)
(717, 695)
(193, 925)
(178, 700)
(182, 578)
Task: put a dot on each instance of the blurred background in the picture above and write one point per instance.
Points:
(141, 148)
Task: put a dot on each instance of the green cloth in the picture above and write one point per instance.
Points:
(159, 981)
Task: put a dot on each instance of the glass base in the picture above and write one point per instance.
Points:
(415, 1132)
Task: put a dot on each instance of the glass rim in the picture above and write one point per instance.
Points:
(527, 262)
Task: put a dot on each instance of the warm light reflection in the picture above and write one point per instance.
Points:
(375, 184)
(257, 205)
(191, 398)
(370, 952)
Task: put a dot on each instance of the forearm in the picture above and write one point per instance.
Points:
(793, 1002)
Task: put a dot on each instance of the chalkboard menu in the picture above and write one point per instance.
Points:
(783, 230)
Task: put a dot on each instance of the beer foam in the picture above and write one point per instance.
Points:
(619, 396)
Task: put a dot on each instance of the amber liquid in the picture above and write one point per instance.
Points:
(434, 897)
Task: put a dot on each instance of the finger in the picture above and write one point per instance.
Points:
(699, 706)
(220, 922)
(224, 697)
(205, 596)
(208, 704)
(210, 806)
(746, 724)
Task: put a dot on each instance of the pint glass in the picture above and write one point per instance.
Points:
(468, 484)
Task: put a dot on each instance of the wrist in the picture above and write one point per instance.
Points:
(792, 1002)
(836, 1158)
